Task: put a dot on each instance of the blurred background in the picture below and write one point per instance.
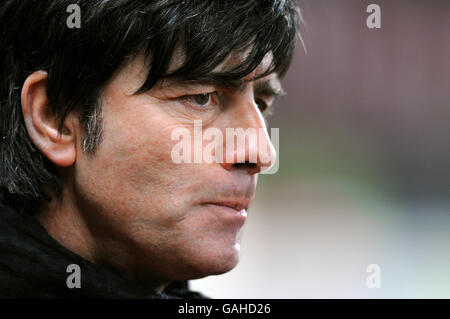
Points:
(364, 175)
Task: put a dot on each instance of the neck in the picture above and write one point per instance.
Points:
(67, 227)
(64, 222)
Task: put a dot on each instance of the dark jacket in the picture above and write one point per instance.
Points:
(34, 265)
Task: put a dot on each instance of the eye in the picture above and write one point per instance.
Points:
(261, 105)
(202, 99)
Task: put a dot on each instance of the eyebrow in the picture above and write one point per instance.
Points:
(261, 86)
(266, 88)
(238, 84)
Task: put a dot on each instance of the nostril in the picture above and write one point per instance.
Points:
(245, 164)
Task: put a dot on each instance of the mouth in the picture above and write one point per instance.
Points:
(231, 199)
(236, 205)
(238, 208)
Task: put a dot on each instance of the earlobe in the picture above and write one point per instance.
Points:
(42, 124)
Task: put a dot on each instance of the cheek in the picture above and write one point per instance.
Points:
(132, 168)
(137, 143)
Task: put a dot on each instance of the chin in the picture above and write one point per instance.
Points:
(216, 262)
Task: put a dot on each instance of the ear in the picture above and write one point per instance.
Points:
(42, 125)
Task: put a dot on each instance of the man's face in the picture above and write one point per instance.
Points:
(151, 218)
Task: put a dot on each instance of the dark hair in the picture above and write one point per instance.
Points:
(80, 61)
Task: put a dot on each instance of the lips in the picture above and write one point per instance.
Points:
(234, 205)
(234, 197)
(231, 209)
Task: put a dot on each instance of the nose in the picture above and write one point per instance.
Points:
(247, 143)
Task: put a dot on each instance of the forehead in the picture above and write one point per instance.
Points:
(233, 60)
(236, 58)
(269, 84)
